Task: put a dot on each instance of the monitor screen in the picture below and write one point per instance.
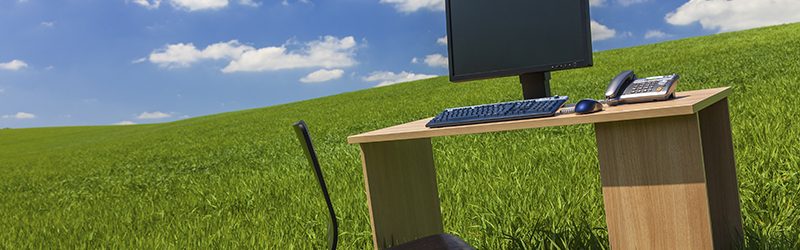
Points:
(512, 37)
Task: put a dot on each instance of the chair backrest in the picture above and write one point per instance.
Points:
(301, 129)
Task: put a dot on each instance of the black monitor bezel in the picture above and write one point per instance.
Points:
(586, 62)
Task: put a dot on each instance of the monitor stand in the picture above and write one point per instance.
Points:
(535, 85)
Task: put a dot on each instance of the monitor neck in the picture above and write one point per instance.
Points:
(535, 85)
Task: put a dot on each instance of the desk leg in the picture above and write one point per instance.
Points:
(400, 179)
(670, 183)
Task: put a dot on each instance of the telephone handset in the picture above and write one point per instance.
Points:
(615, 87)
(626, 88)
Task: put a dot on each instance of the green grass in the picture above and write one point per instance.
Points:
(238, 180)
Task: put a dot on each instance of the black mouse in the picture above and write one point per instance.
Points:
(588, 106)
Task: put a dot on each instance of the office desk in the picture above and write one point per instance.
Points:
(667, 169)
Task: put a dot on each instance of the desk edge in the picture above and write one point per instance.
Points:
(675, 111)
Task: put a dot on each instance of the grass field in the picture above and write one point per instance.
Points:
(237, 179)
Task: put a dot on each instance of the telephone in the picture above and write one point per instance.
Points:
(626, 88)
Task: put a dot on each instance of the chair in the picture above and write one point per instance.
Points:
(433, 242)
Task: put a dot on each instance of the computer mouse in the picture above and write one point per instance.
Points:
(588, 106)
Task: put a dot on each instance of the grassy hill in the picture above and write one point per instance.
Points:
(237, 179)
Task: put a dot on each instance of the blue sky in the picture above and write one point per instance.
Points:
(101, 62)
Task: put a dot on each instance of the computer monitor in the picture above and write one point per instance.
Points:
(529, 38)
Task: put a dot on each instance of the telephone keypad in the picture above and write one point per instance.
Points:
(644, 87)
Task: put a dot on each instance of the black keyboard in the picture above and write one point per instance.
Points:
(505, 111)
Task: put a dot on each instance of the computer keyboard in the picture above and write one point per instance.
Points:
(505, 111)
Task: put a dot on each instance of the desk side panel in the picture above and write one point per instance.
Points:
(403, 198)
(723, 191)
(654, 183)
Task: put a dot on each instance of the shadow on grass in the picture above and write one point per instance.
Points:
(546, 234)
(582, 235)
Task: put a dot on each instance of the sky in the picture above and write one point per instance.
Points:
(120, 62)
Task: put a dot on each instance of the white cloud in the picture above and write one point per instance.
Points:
(20, 116)
(183, 55)
(442, 41)
(408, 6)
(329, 52)
(630, 2)
(250, 3)
(231, 49)
(195, 5)
(385, 78)
(436, 60)
(176, 55)
(322, 75)
(153, 115)
(124, 123)
(48, 24)
(624, 3)
(732, 15)
(655, 34)
(150, 4)
(140, 60)
(13, 65)
(601, 32)
(414, 60)
(286, 2)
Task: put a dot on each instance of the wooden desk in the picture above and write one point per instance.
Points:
(667, 168)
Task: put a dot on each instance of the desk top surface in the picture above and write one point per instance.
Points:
(685, 103)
